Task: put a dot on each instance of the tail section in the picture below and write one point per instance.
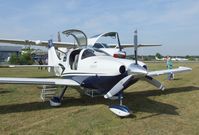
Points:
(53, 60)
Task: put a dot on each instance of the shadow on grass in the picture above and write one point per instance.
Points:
(4, 91)
(137, 101)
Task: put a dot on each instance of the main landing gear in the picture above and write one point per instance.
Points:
(56, 100)
(120, 110)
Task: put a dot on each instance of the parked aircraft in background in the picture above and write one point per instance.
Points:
(160, 59)
(179, 59)
(173, 59)
(92, 70)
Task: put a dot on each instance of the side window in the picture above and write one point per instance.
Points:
(98, 45)
(87, 53)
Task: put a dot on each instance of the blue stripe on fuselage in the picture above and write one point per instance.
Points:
(101, 83)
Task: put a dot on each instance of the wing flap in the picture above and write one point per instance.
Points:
(162, 72)
(38, 81)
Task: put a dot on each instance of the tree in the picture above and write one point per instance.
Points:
(14, 59)
(158, 55)
(23, 59)
(189, 57)
(26, 59)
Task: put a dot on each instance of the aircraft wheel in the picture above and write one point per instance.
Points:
(55, 101)
(120, 110)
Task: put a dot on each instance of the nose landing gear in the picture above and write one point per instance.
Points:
(120, 110)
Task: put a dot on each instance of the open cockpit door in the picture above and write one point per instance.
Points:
(80, 37)
(73, 58)
(116, 50)
(94, 39)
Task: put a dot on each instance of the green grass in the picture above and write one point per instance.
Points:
(174, 111)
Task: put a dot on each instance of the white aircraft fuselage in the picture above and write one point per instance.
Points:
(95, 69)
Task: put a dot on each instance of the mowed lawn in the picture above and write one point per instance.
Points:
(174, 111)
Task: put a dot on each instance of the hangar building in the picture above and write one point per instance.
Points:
(7, 50)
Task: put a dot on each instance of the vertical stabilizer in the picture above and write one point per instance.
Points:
(53, 59)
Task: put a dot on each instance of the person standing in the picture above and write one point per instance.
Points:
(40, 63)
(170, 66)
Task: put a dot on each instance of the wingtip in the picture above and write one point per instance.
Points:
(188, 68)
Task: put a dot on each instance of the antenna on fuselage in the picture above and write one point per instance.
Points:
(58, 37)
(136, 46)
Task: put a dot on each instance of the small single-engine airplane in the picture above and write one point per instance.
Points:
(179, 59)
(94, 71)
(173, 59)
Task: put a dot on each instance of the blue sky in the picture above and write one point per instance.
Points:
(172, 23)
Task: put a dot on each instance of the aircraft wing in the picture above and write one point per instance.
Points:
(21, 66)
(162, 72)
(36, 42)
(132, 45)
(13, 66)
(38, 81)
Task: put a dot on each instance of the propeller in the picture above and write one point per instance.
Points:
(139, 73)
(134, 70)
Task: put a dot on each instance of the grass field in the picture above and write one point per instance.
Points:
(172, 112)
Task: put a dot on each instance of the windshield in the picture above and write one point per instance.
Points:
(100, 53)
(100, 45)
(93, 52)
(105, 45)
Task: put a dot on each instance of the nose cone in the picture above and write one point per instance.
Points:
(135, 69)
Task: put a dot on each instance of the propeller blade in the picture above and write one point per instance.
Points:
(118, 87)
(154, 82)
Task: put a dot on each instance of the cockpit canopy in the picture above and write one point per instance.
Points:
(95, 39)
(79, 36)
